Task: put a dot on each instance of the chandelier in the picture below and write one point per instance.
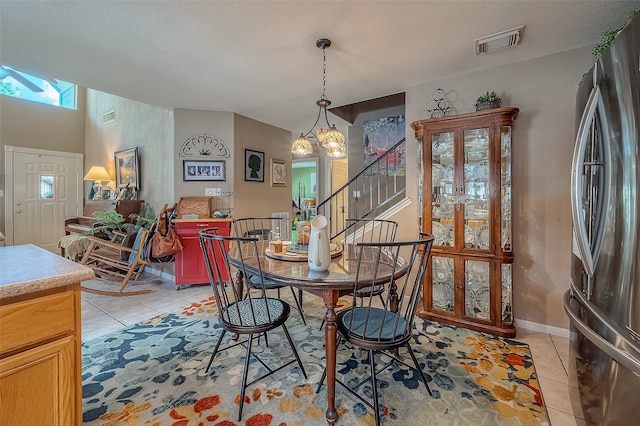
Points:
(330, 140)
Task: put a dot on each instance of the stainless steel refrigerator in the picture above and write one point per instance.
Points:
(603, 303)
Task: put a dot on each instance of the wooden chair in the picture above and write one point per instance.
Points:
(251, 314)
(114, 262)
(389, 327)
(264, 228)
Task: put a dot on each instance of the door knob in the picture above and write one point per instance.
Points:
(18, 211)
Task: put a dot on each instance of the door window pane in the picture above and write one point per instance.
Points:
(46, 186)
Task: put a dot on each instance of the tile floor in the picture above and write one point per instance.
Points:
(104, 314)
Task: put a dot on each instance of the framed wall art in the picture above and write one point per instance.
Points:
(199, 170)
(127, 168)
(278, 173)
(253, 165)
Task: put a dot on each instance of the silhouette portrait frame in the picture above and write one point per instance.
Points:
(253, 165)
(196, 170)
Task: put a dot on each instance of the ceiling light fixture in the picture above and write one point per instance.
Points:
(331, 140)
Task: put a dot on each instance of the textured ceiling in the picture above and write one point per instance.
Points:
(258, 58)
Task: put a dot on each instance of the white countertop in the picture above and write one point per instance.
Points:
(27, 268)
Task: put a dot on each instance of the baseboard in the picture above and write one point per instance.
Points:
(543, 328)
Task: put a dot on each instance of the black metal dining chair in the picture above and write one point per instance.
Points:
(389, 327)
(251, 314)
(369, 231)
(267, 228)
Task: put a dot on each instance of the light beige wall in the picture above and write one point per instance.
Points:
(32, 125)
(544, 89)
(136, 124)
(252, 199)
(190, 122)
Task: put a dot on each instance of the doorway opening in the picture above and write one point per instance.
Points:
(305, 188)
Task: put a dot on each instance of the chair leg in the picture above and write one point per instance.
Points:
(244, 376)
(293, 348)
(415, 361)
(324, 376)
(374, 382)
(215, 350)
(298, 304)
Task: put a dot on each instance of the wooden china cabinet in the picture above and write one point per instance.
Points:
(465, 189)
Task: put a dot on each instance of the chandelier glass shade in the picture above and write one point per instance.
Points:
(302, 146)
(329, 139)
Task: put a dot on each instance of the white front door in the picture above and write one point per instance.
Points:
(43, 189)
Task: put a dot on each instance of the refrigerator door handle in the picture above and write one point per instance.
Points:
(624, 358)
(587, 255)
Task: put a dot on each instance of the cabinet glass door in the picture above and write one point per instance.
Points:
(442, 189)
(507, 294)
(505, 187)
(442, 295)
(476, 189)
(476, 291)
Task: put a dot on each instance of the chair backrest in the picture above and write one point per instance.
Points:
(263, 228)
(370, 231)
(234, 309)
(409, 261)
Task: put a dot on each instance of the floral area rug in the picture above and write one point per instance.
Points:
(153, 374)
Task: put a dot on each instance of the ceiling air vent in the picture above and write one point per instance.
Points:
(499, 40)
(108, 117)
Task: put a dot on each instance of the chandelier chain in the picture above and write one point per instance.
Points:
(324, 73)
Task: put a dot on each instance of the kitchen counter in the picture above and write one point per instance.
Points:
(27, 269)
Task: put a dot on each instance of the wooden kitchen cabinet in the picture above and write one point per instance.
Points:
(40, 340)
(190, 267)
(465, 196)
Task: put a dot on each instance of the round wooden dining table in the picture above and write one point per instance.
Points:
(329, 285)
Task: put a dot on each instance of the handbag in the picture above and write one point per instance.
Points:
(165, 245)
(163, 242)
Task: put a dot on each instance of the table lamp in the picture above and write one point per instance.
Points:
(97, 174)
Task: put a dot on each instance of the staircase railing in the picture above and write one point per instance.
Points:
(369, 193)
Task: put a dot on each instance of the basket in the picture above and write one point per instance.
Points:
(487, 105)
(200, 206)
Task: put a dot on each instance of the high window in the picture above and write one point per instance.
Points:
(20, 84)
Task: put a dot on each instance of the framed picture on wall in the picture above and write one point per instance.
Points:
(278, 173)
(127, 168)
(253, 165)
(198, 170)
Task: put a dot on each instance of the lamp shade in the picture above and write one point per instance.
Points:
(97, 173)
(302, 146)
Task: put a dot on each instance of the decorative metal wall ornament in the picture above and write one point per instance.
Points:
(204, 145)
(440, 105)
